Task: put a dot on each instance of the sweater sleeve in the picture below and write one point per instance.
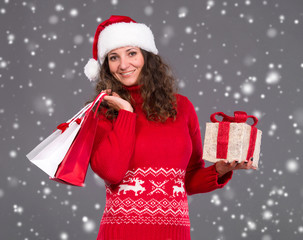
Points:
(198, 178)
(113, 147)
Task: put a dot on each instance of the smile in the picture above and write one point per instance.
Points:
(127, 73)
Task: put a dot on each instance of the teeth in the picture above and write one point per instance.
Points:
(124, 74)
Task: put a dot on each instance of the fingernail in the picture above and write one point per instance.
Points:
(237, 161)
(252, 159)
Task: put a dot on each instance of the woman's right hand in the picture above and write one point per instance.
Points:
(115, 101)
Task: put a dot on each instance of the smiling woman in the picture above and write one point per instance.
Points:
(148, 147)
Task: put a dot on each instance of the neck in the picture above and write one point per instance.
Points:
(133, 87)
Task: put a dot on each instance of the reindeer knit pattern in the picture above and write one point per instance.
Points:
(124, 206)
(149, 168)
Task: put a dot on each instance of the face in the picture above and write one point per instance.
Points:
(125, 64)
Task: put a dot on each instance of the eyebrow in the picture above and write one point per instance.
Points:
(129, 49)
(113, 53)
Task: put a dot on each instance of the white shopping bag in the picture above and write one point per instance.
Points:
(50, 152)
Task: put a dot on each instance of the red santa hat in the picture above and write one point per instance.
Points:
(115, 32)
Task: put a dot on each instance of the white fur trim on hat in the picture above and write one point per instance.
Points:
(92, 69)
(125, 34)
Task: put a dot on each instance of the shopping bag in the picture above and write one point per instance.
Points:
(72, 170)
(49, 153)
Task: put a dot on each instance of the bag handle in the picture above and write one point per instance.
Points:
(80, 112)
(99, 98)
(88, 107)
(84, 111)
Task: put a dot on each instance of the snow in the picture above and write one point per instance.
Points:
(59, 7)
(13, 154)
(182, 12)
(63, 236)
(226, 55)
(74, 12)
(272, 32)
(292, 165)
(273, 77)
(89, 226)
(216, 200)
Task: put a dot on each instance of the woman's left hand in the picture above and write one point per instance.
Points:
(224, 166)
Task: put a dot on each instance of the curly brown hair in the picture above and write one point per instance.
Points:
(158, 89)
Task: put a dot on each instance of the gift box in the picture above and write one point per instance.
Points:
(232, 138)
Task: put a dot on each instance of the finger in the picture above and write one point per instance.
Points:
(253, 167)
(110, 100)
(252, 162)
(234, 163)
(106, 97)
(242, 165)
(116, 94)
(106, 91)
(238, 166)
(249, 164)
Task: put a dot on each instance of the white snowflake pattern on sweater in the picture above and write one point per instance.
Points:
(148, 196)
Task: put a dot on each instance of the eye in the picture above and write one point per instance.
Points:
(112, 58)
(133, 53)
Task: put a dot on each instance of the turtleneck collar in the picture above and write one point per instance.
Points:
(133, 88)
(135, 92)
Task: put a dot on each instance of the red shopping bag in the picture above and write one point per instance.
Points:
(72, 170)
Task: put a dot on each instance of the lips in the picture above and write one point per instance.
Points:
(127, 73)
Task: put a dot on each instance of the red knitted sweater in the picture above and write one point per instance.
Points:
(149, 169)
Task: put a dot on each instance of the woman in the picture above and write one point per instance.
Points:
(148, 147)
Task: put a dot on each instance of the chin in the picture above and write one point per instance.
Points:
(130, 83)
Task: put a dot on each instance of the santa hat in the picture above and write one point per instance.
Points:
(115, 32)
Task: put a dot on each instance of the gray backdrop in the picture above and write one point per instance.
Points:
(226, 55)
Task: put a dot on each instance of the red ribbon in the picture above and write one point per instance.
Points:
(78, 120)
(223, 132)
(64, 126)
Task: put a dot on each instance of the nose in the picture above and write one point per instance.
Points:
(124, 63)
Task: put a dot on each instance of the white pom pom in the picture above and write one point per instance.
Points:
(92, 69)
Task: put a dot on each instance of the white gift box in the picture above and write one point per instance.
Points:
(239, 141)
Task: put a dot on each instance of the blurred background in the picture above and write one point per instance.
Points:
(226, 55)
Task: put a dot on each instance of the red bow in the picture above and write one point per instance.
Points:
(239, 117)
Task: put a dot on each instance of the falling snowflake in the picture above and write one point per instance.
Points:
(292, 165)
(182, 12)
(273, 77)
